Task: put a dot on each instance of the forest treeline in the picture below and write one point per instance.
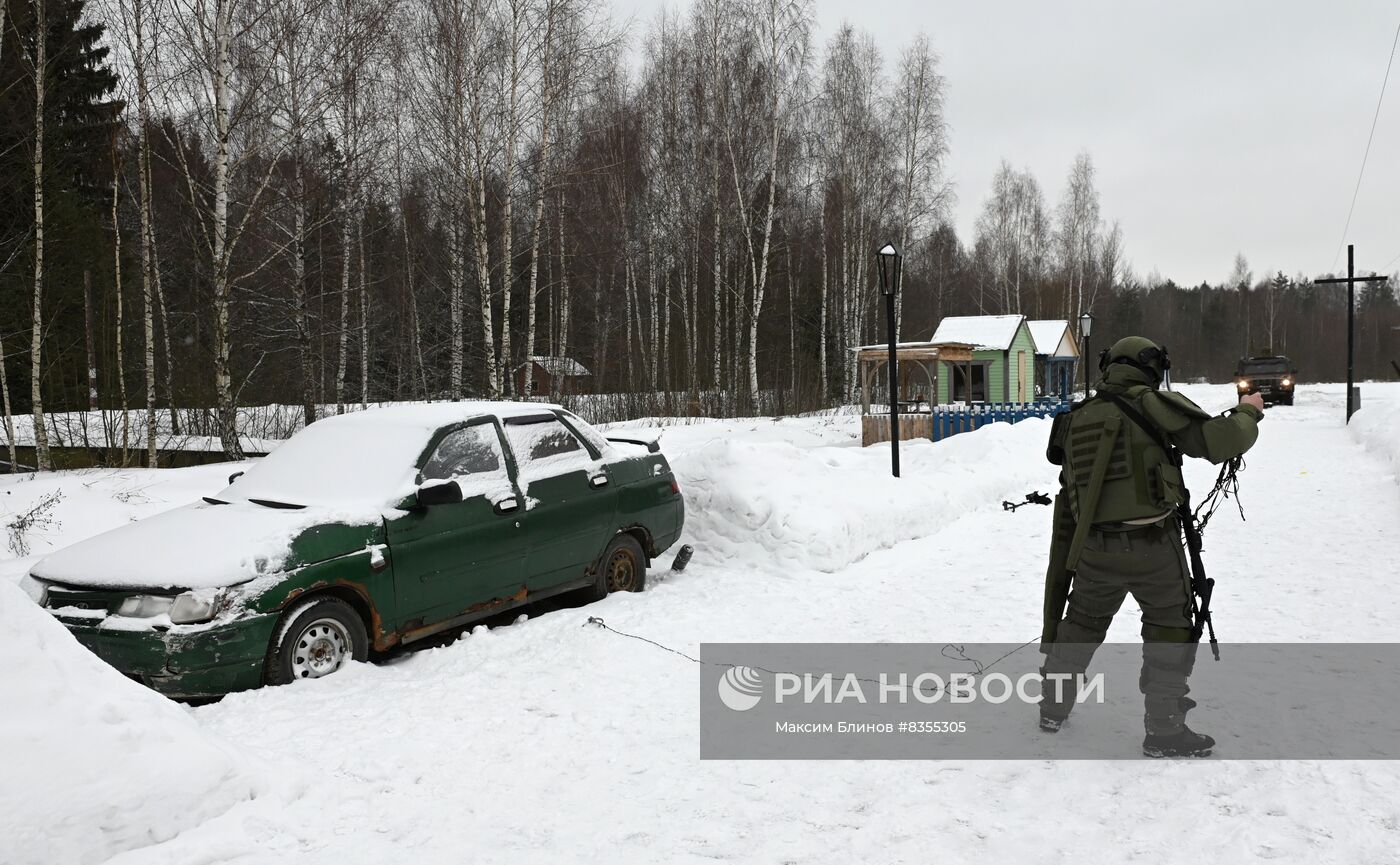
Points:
(215, 203)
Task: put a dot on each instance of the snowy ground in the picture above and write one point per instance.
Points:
(548, 741)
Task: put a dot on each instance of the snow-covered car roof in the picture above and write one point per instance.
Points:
(433, 415)
(359, 462)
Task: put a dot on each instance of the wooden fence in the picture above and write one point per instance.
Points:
(948, 420)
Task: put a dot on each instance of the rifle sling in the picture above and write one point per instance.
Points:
(1146, 426)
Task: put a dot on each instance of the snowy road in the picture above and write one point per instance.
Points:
(550, 741)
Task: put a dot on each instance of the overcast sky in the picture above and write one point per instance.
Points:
(1217, 126)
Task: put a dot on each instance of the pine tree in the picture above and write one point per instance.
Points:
(79, 122)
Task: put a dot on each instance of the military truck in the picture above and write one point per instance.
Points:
(1272, 377)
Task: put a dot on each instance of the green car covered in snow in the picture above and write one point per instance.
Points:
(364, 532)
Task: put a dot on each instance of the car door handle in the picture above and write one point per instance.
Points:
(505, 506)
(598, 481)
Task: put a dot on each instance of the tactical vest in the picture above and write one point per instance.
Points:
(1140, 479)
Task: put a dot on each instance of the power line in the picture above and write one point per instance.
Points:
(1369, 138)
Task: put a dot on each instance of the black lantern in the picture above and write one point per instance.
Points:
(1086, 325)
(889, 259)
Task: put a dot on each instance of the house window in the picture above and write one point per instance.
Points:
(977, 372)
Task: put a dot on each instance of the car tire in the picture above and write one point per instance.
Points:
(314, 639)
(622, 568)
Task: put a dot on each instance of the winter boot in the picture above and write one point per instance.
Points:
(1185, 743)
(1051, 723)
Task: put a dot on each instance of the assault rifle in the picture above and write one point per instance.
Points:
(1202, 586)
(1035, 498)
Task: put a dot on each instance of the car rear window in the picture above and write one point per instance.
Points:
(546, 448)
(588, 433)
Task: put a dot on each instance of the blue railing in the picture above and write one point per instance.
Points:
(953, 419)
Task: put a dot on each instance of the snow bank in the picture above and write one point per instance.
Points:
(94, 763)
(822, 508)
(1376, 426)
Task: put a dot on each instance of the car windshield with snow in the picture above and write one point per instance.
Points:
(361, 533)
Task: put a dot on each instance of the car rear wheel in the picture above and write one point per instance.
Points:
(623, 568)
(316, 639)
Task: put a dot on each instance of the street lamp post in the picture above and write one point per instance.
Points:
(1086, 324)
(889, 259)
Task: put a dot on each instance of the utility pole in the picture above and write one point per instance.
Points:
(1351, 279)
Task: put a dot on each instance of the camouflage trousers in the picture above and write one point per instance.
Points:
(1150, 564)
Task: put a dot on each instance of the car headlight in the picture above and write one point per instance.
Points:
(34, 588)
(1244, 385)
(1287, 382)
(144, 606)
(190, 608)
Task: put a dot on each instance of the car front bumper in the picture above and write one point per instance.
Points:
(183, 663)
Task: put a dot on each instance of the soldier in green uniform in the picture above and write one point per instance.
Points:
(1117, 532)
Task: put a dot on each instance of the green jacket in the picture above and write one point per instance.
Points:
(1188, 426)
(1138, 479)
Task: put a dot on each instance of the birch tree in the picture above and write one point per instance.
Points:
(922, 139)
(142, 56)
(1078, 235)
(1012, 231)
(438, 86)
(563, 48)
(851, 149)
(304, 83)
(460, 41)
(4, 376)
(228, 107)
(782, 27)
(482, 46)
(36, 336)
(359, 46)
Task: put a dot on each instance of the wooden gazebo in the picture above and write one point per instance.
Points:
(919, 363)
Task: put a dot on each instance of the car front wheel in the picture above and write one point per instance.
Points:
(316, 639)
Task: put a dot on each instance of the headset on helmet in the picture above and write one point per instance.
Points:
(1144, 361)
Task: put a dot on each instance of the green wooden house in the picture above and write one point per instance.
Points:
(1002, 368)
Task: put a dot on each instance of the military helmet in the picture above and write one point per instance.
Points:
(1138, 351)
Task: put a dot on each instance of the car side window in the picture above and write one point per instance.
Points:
(546, 448)
(473, 457)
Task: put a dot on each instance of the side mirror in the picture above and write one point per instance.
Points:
(235, 476)
(439, 492)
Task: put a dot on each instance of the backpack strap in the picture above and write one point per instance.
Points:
(1145, 425)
